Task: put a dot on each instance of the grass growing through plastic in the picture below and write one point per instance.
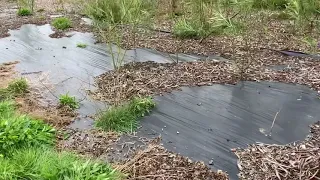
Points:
(41, 163)
(81, 45)
(124, 118)
(61, 23)
(70, 101)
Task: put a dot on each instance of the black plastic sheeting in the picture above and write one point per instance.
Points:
(69, 68)
(203, 123)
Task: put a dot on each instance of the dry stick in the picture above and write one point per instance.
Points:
(274, 119)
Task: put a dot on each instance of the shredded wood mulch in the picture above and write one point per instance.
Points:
(156, 163)
(299, 160)
(150, 78)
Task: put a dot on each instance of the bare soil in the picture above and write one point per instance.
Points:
(7, 73)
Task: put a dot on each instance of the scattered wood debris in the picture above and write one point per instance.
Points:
(156, 163)
(299, 160)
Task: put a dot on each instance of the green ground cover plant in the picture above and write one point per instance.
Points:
(61, 23)
(124, 118)
(42, 163)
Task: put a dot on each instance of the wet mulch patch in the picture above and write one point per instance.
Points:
(156, 163)
(300, 160)
(149, 78)
(89, 142)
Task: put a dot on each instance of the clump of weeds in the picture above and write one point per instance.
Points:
(69, 101)
(15, 88)
(81, 45)
(61, 23)
(124, 118)
(24, 12)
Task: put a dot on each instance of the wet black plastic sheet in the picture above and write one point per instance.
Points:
(199, 122)
(69, 69)
(204, 123)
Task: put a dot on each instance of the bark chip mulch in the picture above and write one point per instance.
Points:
(150, 78)
(156, 163)
(299, 160)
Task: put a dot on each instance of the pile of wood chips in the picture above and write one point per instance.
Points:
(156, 163)
(293, 161)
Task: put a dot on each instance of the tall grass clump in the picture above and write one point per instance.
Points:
(17, 87)
(124, 118)
(304, 11)
(24, 12)
(26, 7)
(205, 18)
(119, 11)
(41, 163)
(19, 131)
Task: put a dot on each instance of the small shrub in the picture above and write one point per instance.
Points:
(124, 118)
(70, 101)
(81, 45)
(19, 131)
(24, 12)
(61, 23)
(42, 163)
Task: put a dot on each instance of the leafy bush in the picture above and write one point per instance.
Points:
(18, 131)
(24, 12)
(124, 118)
(81, 45)
(39, 164)
(61, 23)
(70, 101)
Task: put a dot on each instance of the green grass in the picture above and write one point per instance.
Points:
(81, 45)
(19, 131)
(61, 23)
(187, 29)
(40, 163)
(70, 101)
(17, 87)
(24, 12)
(124, 118)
